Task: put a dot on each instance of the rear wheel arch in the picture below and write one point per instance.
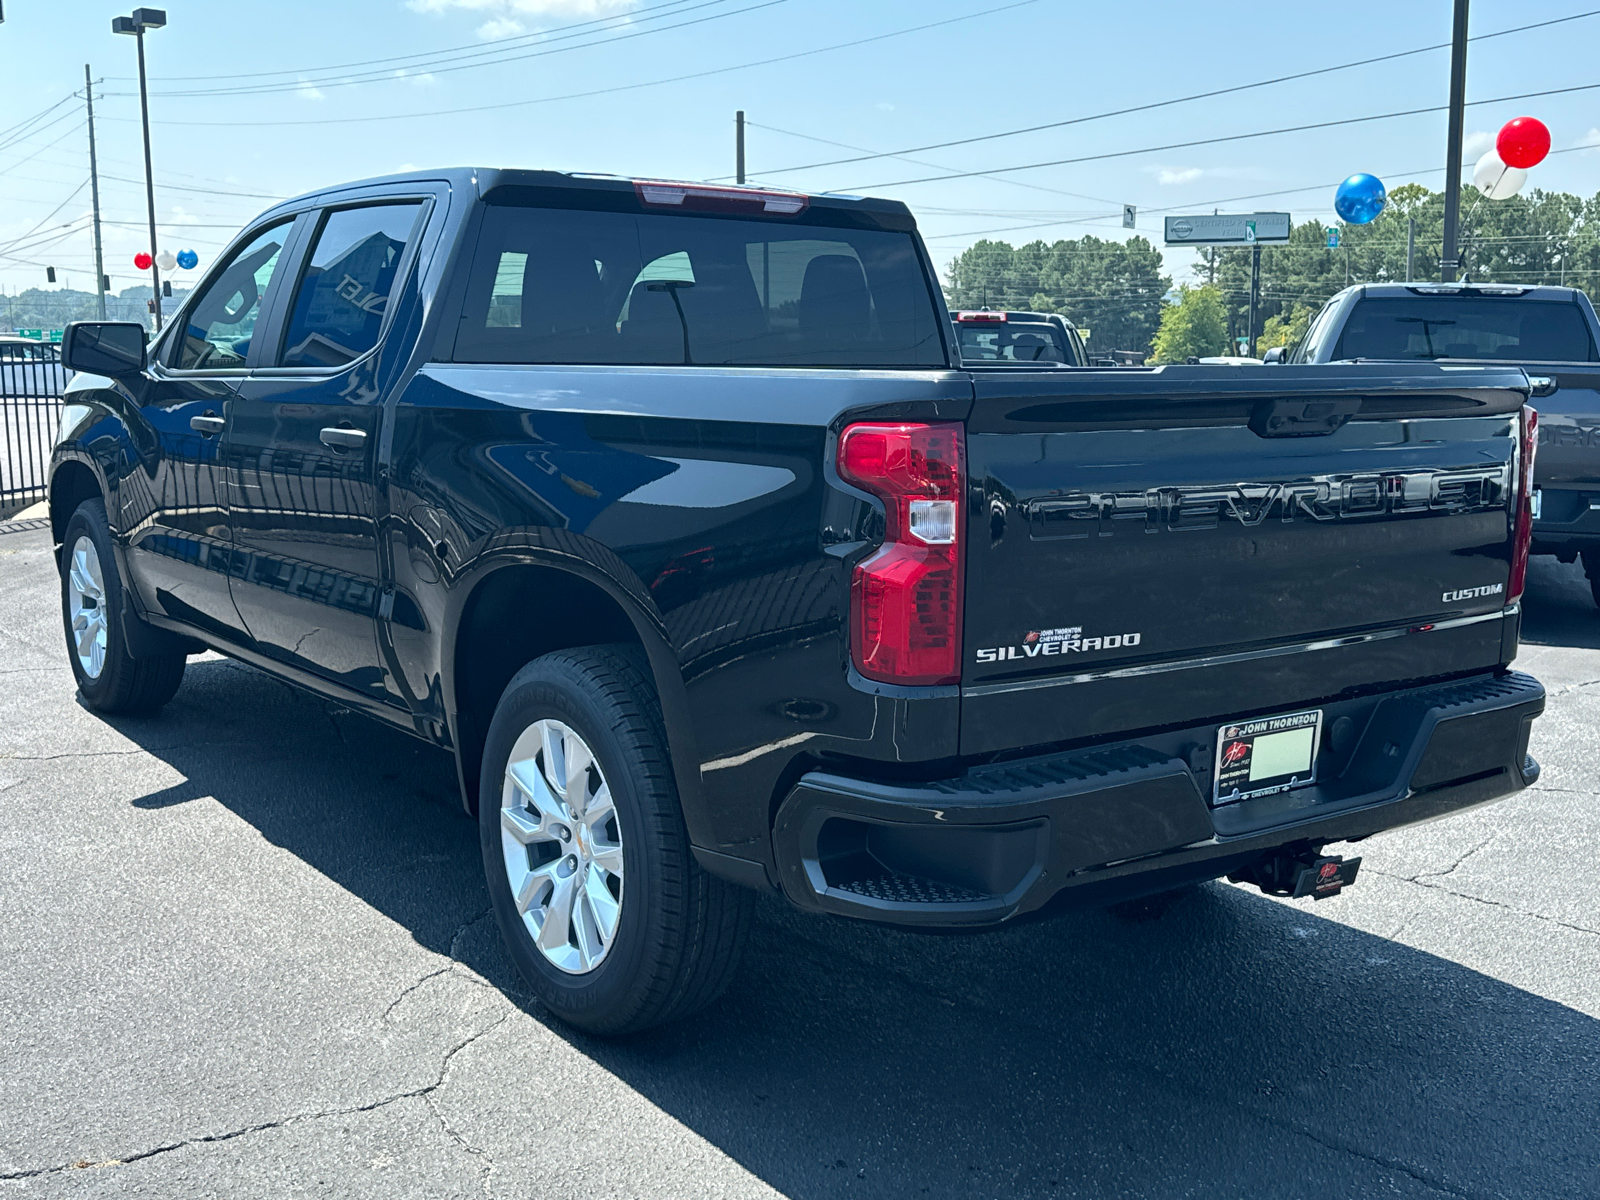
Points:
(523, 608)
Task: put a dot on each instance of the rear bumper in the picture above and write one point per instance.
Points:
(1569, 519)
(1004, 839)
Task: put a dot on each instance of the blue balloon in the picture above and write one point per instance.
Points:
(1360, 199)
(188, 259)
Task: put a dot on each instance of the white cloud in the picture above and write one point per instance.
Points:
(425, 79)
(182, 216)
(885, 106)
(500, 27)
(1166, 176)
(309, 91)
(1590, 141)
(504, 15)
(1475, 145)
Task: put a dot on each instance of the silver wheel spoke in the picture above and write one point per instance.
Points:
(556, 931)
(578, 759)
(602, 904)
(563, 863)
(518, 823)
(555, 771)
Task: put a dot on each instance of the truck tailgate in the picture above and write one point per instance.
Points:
(1149, 548)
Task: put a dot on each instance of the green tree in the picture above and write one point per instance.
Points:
(1285, 328)
(1113, 289)
(1196, 325)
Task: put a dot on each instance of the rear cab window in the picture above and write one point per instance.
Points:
(1498, 328)
(1014, 342)
(553, 285)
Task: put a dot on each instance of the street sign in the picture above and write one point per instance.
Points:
(1083, 332)
(56, 335)
(1130, 215)
(1333, 239)
(35, 334)
(1231, 229)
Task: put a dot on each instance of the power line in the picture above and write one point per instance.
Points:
(1212, 141)
(625, 87)
(1138, 108)
(388, 76)
(503, 43)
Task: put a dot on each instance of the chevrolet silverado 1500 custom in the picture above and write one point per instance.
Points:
(1550, 332)
(669, 512)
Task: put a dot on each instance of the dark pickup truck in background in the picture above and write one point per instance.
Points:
(991, 337)
(671, 512)
(1550, 332)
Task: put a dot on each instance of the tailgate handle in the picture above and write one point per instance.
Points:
(1316, 417)
(1543, 385)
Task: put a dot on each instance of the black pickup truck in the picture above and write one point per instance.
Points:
(669, 511)
(1550, 332)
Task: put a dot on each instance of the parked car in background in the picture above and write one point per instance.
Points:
(675, 515)
(992, 337)
(1551, 332)
(29, 367)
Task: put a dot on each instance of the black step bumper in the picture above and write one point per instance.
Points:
(1095, 825)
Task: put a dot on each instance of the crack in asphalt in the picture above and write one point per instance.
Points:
(447, 969)
(1420, 875)
(1511, 908)
(424, 1093)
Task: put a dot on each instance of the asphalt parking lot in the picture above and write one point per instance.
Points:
(245, 952)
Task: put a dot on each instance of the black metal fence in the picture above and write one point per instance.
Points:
(31, 382)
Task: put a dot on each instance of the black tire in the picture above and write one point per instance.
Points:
(124, 684)
(680, 932)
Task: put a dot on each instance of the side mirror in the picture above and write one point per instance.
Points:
(1278, 354)
(112, 348)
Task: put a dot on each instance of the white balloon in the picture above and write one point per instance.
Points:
(1496, 180)
(166, 260)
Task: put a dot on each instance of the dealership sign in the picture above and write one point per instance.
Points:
(1237, 229)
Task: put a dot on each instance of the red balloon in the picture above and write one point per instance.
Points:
(1523, 142)
(142, 261)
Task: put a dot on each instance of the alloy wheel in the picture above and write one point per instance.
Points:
(86, 606)
(562, 843)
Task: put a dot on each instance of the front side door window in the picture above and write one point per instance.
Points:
(339, 305)
(219, 326)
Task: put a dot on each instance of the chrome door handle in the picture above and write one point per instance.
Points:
(341, 438)
(207, 425)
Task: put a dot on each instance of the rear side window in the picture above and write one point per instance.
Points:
(1487, 327)
(339, 305)
(565, 286)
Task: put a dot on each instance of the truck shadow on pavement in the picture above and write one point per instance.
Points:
(1230, 1046)
(1558, 608)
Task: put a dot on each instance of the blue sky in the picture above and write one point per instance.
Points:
(980, 69)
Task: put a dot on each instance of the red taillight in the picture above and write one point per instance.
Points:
(981, 317)
(709, 198)
(905, 600)
(1523, 541)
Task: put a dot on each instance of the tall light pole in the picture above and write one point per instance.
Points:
(135, 25)
(1450, 260)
